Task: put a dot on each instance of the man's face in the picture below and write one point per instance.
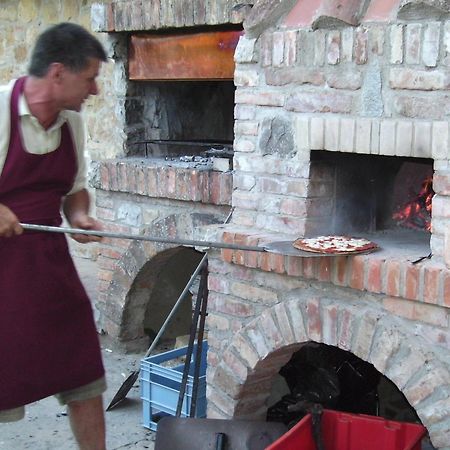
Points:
(75, 87)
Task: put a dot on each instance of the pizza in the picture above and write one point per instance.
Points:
(335, 244)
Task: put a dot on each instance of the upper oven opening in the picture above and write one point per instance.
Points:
(194, 113)
(180, 98)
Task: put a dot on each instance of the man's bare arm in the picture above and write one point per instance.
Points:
(76, 210)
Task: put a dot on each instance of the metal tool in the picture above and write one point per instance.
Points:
(280, 247)
(141, 237)
(197, 329)
(191, 142)
(187, 433)
(131, 379)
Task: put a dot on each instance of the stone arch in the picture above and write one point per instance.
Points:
(139, 268)
(240, 384)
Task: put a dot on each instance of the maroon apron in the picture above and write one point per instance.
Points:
(48, 340)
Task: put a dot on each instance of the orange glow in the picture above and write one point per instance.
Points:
(416, 214)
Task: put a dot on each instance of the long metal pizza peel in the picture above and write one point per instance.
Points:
(280, 247)
(141, 237)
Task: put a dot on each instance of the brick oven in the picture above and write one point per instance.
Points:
(340, 122)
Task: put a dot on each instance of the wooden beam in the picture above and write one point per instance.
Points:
(196, 56)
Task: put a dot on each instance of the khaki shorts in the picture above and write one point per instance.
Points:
(85, 392)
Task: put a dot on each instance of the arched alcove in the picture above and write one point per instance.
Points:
(146, 284)
(243, 379)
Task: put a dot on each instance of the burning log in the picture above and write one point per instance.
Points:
(416, 214)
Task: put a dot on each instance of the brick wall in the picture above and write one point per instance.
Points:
(353, 90)
(378, 87)
(368, 78)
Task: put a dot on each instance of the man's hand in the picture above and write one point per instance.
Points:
(76, 207)
(86, 223)
(9, 223)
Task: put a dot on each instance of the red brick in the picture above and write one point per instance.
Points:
(228, 237)
(309, 102)
(405, 78)
(324, 269)
(232, 306)
(447, 290)
(264, 98)
(361, 46)
(214, 188)
(264, 262)
(294, 267)
(112, 175)
(357, 273)
(251, 259)
(345, 330)
(227, 255)
(309, 267)
(412, 280)
(182, 185)
(239, 257)
(393, 278)
(314, 322)
(204, 187)
(277, 263)
(131, 174)
(340, 270)
(152, 180)
(431, 285)
(291, 75)
(374, 275)
(104, 177)
(141, 183)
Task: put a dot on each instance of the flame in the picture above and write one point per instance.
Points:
(416, 213)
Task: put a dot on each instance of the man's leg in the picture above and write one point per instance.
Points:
(87, 421)
(12, 415)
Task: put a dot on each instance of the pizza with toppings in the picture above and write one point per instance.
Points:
(335, 244)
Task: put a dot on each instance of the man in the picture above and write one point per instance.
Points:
(48, 341)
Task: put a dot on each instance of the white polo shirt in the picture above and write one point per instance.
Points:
(37, 140)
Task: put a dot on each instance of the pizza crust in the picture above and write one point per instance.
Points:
(334, 244)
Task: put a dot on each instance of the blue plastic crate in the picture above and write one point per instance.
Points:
(160, 386)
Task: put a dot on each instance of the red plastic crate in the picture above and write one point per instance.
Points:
(343, 431)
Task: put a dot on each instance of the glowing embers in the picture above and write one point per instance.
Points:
(416, 213)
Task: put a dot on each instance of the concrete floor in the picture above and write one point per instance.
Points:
(46, 425)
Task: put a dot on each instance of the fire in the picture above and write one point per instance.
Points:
(416, 214)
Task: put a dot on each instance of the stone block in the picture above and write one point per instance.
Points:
(396, 43)
(403, 146)
(320, 102)
(387, 137)
(431, 41)
(404, 78)
(422, 140)
(278, 49)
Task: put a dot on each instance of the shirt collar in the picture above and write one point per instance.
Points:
(24, 110)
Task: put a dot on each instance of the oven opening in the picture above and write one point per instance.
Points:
(372, 193)
(338, 380)
(174, 118)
